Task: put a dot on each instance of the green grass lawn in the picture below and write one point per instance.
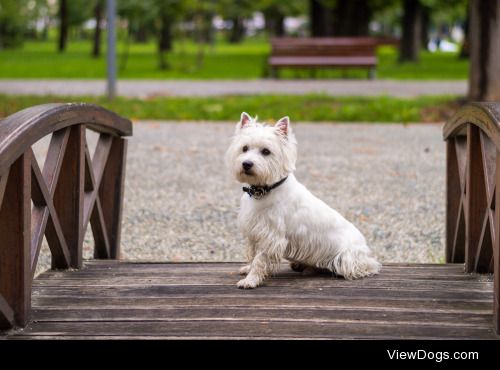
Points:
(224, 61)
(271, 107)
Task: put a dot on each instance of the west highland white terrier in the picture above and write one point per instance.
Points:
(283, 220)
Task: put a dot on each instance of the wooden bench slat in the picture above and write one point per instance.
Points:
(345, 52)
(323, 61)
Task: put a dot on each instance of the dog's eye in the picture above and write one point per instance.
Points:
(265, 151)
(245, 148)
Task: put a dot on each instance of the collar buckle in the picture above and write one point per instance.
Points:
(259, 192)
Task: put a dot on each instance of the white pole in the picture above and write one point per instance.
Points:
(111, 50)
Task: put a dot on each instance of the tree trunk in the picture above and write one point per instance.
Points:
(484, 74)
(362, 15)
(63, 25)
(165, 39)
(315, 21)
(210, 34)
(98, 10)
(411, 24)
(424, 30)
(201, 36)
(141, 34)
(203, 30)
(45, 30)
(275, 22)
(126, 51)
(237, 31)
(351, 18)
(320, 19)
(464, 50)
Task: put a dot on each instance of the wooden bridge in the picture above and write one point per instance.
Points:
(109, 298)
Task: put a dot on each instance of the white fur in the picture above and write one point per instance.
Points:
(289, 222)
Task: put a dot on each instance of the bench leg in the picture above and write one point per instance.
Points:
(274, 72)
(372, 73)
(266, 69)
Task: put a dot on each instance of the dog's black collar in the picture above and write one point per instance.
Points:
(259, 191)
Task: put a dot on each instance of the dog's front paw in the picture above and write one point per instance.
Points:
(248, 283)
(245, 269)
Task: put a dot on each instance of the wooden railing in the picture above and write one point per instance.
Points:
(60, 199)
(73, 189)
(472, 177)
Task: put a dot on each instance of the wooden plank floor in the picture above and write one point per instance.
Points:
(111, 299)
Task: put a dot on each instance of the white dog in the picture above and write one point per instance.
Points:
(280, 217)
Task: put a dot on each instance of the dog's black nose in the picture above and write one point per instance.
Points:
(247, 165)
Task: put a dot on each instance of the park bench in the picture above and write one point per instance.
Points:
(322, 52)
(110, 298)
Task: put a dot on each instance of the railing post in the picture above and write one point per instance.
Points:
(496, 252)
(456, 158)
(15, 235)
(111, 193)
(453, 197)
(475, 196)
(58, 194)
(68, 197)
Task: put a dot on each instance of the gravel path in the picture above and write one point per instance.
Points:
(180, 204)
(151, 88)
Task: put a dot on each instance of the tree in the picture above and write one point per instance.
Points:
(352, 17)
(165, 21)
(412, 32)
(236, 11)
(321, 18)
(98, 14)
(19, 20)
(202, 13)
(484, 74)
(464, 50)
(343, 17)
(63, 25)
(425, 25)
(275, 12)
(140, 17)
(442, 14)
(275, 21)
(168, 11)
(140, 20)
(71, 14)
(12, 23)
(152, 18)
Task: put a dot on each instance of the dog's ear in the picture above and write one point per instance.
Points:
(283, 125)
(244, 120)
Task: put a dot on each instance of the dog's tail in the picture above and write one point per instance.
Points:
(355, 264)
